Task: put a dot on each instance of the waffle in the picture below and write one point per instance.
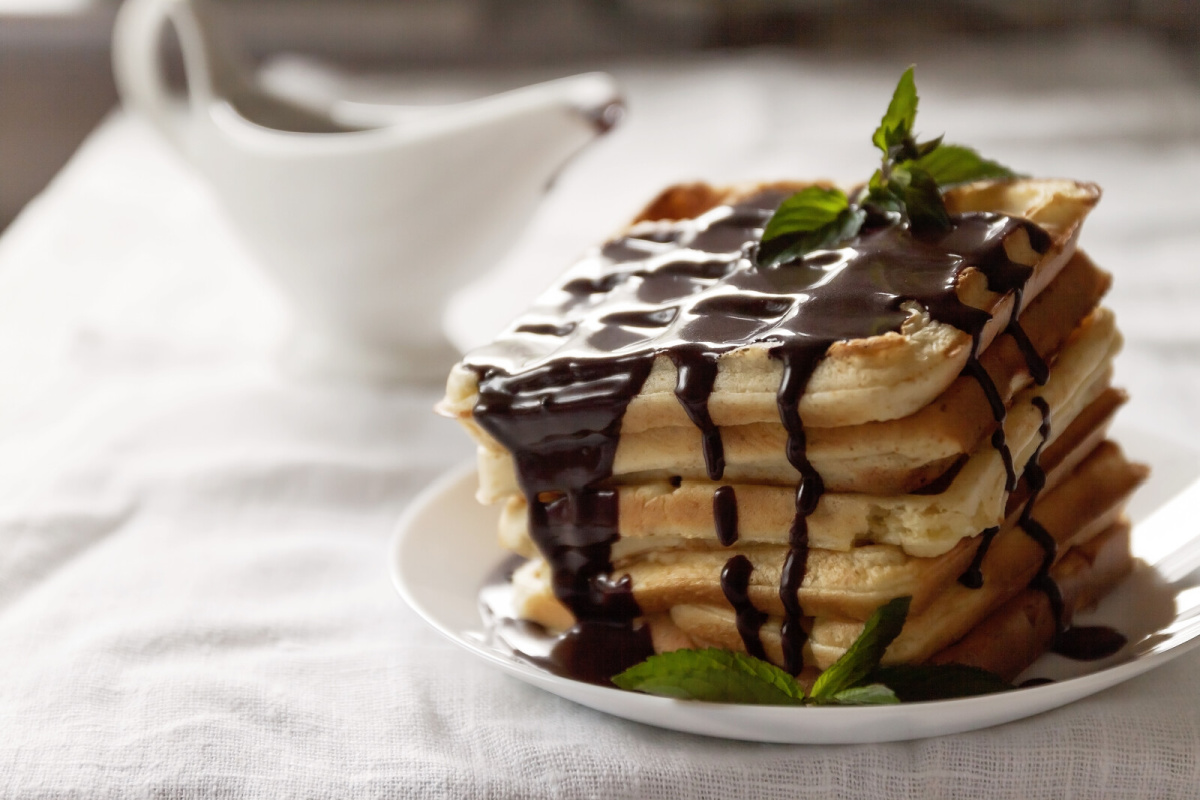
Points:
(891, 457)
(888, 376)
(709, 453)
(851, 584)
(1005, 639)
(922, 524)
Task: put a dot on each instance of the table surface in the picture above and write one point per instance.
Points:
(194, 598)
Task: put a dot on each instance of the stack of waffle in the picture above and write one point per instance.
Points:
(639, 427)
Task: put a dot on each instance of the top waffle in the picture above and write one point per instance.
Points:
(679, 281)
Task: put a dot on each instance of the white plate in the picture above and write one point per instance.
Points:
(445, 548)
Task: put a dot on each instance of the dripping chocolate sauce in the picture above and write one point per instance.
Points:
(696, 371)
(1035, 476)
(735, 584)
(972, 578)
(1081, 643)
(554, 389)
(1038, 369)
(975, 369)
(591, 653)
(725, 515)
(798, 366)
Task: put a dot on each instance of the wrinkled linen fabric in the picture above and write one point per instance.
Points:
(194, 591)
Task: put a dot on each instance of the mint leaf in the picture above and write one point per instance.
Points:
(873, 694)
(881, 628)
(883, 196)
(811, 219)
(895, 130)
(913, 682)
(907, 187)
(789, 248)
(807, 210)
(952, 164)
(923, 201)
(713, 675)
(925, 148)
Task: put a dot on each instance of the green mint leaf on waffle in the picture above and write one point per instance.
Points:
(895, 129)
(907, 188)
(953, 164)
(862, 657)
(923, 200)
(808, 220)
(806, 211)
(912, 682)
(713, 675)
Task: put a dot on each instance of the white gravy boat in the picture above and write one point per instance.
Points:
(367, 228)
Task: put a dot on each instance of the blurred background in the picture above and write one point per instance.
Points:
(56, 83)
(192, 541)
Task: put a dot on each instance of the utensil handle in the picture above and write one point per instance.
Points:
(137, 65)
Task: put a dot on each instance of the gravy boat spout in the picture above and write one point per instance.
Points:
(367, 223)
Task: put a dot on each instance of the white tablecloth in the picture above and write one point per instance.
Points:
(194, 598)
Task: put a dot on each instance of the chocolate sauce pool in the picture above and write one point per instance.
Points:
(553, 389)
(1089, 642)
(593, 652)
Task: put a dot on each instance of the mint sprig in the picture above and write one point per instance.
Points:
(906, 189)
(856, 678)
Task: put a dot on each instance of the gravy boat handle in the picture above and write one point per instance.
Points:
(137, 66)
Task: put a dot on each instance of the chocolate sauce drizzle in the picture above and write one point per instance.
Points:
(1081, 643)
(725, 515)
(735, 584)
(1038, 369)
(972, 578)
(1035, 477)
(696, 370)
(553, 389)
(798, 366)
(975, 369)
